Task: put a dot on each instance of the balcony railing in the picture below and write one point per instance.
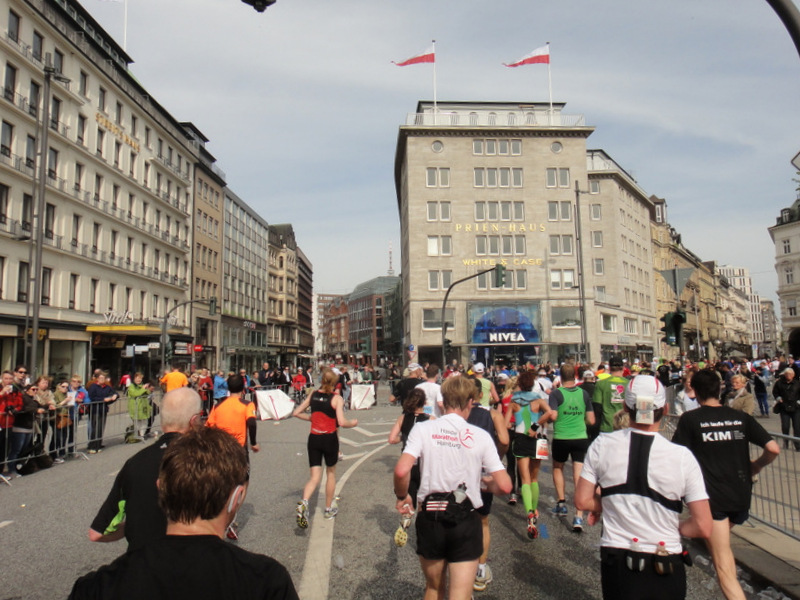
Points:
(499, 118)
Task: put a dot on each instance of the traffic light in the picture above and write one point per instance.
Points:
(168, 352)
(499, 276)
(669, 329)
(678, 319)
(212, 306)
(448, 346)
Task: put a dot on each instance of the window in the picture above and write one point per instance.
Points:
(27, 212)
(49, 220)
(10, 83)
(52, 163)
(559, 211)
(33, 98)
(597, 239)
(3, 203)
(58, 61)
(440, 245)
(565, 316)
(791, 307)
(76, 229)
(37, 46)
(629, 325)
(519, 211)
(98, 187)
(55, 113)
(600, 293)
(599, 266)
(73, 290)
(438, 211)
(596, 212)
(608, 323)
(557, 178)
(438, 177)
(23, 280)
(100, 140)
(47, 278)
(118, 113)
(101, 99)
(134, 126)
(439, 280)
(594, 186)
(562, 279)
(93, 294)
(95, 236)
(561, 244)
(30, 152)
(83, 83)
(645, 327)
(13, 26)
(6, 138)
(117, 153)
(787, 244)
(432, 318)
(789, 274)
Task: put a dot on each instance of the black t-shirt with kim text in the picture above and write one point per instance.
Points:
(187, 567)
(720, 438)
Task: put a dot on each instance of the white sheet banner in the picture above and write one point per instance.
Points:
(274, 404)
(362, 396)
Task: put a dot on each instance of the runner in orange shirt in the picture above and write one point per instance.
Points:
(173, 380)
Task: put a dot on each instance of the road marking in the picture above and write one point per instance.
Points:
(317, 568)
(363, 431)
(5, 523)
(344, 440)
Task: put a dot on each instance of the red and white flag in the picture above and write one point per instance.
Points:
(538, 56)
(428, 56)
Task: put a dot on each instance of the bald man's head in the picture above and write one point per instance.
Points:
(178, 407)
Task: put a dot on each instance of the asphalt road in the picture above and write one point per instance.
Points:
(44, 519)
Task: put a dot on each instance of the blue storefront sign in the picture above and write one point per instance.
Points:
(512, 324)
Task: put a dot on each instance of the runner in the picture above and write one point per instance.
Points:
(453, 454)
(528, 408)
(327, 413)
(571, 412)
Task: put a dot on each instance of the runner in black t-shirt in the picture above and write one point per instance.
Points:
(720, 439)
(193, 561)
(404, 386)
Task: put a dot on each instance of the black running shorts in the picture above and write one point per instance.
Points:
(524, 446)
(563, 449)
(323, 444)
(460, 542)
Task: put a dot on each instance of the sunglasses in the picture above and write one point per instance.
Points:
(22, 372)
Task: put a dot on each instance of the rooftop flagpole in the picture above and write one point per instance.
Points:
(435, 109)
(549, 83)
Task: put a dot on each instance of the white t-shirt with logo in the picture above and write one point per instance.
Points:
(452, 452)
(672, 471)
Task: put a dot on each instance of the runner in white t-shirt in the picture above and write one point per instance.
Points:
(453, 454)
(644, 481)
(433, 392)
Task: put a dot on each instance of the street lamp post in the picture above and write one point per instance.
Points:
(581, 276)
(38, 218)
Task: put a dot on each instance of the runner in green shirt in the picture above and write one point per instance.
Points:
(609, 394)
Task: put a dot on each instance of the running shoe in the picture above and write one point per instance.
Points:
(334, 508)
(302, 514)
(401, 535)
(560, 509)
(481, 582)
(513, 499)
(533, 531)
(577, 525)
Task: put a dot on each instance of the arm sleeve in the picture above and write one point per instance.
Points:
(251, 430)
(414, 443)
(756, 433)
(112, 512)
(587, 402)
(695, 487)
(588, 472)
(555, 399)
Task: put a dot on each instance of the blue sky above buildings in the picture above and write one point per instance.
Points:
(697, 100)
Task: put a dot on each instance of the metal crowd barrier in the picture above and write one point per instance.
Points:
(74, 443)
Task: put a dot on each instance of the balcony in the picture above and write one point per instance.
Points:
(498, 118)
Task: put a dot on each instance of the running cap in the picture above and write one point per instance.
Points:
(644, 387)
(588, 373)
(502, 376)
(413, 367)
(478, 367)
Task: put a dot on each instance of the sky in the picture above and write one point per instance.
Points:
(696, 100)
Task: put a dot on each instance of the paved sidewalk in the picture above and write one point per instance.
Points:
(771, 557)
